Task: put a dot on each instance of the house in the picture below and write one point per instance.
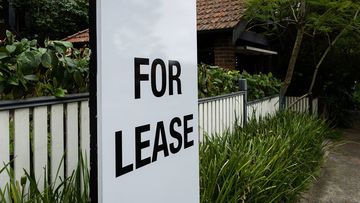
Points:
(79, 39)
(223, 40)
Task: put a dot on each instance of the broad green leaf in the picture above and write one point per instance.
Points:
(3, 55)
(10, 48)
(64, 43)
(61, 46)
(31, 77)
(70, 62)
(33, 43)
(59, 92)
(8, 34)
(28, 61)
(42, 50)
(24, 41)
(47, 59)
(13, 81)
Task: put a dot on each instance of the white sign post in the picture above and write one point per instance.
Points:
(147, 135)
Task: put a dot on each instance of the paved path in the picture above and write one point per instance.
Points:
(339, 180)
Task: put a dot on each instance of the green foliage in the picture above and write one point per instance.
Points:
(213, 81)
(269, 161)
(69, 189)
(323, 17)
(316, 25)
(27, 70)
(53, 19)
(261, 85)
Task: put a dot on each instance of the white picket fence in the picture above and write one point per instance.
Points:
(263, 107)
(301, 105)
(43, 131)
(219, 114)
(45, 134)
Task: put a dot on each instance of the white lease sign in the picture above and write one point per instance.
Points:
(147, 101)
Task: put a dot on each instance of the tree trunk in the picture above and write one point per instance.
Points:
(293, 59)
(322, 60)
(296, 49)
(327, 51)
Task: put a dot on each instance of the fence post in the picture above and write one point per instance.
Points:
(243, 87)
(282, 102)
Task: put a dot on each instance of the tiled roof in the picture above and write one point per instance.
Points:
(218, 14)
(82, 36)
(211, 15)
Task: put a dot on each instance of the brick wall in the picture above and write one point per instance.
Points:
(221, 48)
(224, 51)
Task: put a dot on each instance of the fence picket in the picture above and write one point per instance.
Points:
(57, 143)
(227, 114)
(221, 116)
(315, 104)
(201, 122)
(206, 120)
(72, 137)
(231, 111)
(4, 147)
(85, 131)
(40, 144)
(217, 120)
(84, 137)
(213, 117)
(21, 144)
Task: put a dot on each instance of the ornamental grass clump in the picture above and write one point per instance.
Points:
(271, 160)
(74, 188)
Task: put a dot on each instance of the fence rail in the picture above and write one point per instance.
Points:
(44, 133)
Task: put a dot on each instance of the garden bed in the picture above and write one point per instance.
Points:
(272, 160)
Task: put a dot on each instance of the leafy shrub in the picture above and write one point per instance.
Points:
(261, 85)
(269, 161)
(53, 19)
(213, 81)
(27, 70)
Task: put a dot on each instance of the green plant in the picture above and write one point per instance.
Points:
(213, 81)
(27, 70)
(272, 160)
(74, 188)
(261, 85)
(51, 19)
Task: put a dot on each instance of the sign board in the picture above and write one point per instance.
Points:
(147, 138)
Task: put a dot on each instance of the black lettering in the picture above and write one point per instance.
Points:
(187, 130)
(120, 169)
(174, 78)
(175, 134)
(138, 76)
(155, 64)
(139, 145)
(160, 133)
